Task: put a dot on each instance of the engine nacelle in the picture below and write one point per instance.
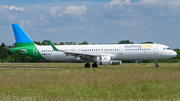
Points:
(107, 60)
(115, 62)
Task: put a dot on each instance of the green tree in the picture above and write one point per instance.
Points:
(55, 43)
(45, 42)
(83, 43)
(61, 43)
(3, 52)
(149, 42)
(178, 55)
(70, 43)
(38, 43)
(14, 45)
(125, 42)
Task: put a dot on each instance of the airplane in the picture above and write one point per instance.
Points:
(109, 54)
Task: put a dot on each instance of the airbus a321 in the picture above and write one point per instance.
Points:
(98, 54)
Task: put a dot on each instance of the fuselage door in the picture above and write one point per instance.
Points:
(155, 49)
(78, 49)
(121, 48)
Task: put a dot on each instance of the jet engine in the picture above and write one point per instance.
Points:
(115, 62)
(107, 60)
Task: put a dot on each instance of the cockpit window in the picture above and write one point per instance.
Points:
(166, 48)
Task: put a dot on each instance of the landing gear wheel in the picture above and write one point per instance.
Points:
(94, 65)
(156, 66)
(87, 65)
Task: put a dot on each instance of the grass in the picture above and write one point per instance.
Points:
(149, 65)
(124, 82)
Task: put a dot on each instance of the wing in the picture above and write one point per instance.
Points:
(83, 56)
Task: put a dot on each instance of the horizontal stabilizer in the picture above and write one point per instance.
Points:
(22, 50)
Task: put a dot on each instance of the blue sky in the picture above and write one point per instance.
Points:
(95, 21)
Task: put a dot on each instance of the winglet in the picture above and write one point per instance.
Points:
(54, 47)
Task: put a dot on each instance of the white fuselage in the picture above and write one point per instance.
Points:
(116, 52)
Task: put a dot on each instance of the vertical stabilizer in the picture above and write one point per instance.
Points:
(22, 39)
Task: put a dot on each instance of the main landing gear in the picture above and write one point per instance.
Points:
(94, 65)
(156, 65)
(88, 65)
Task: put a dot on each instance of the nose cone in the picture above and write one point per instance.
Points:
(173, 54)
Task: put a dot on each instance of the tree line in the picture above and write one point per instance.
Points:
(7, 56)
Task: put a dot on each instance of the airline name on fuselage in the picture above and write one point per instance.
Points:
(138, 46)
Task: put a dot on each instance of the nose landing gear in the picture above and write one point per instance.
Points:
(156, 65)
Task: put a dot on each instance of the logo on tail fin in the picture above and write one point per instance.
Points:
(35, 51)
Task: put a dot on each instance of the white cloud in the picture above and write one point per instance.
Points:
(42, 17)
(54, 29)
(5, 6)
(118, 2)
(127, 1)
(54, 10)
(30, 23)
(96, 29)
(113, 2)
(174, 3)
(146, 2)
(14, 7)
(27, 23)
(164, 2)
(76, 10)
(21, 9)
(22, 23)
(60, 29)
